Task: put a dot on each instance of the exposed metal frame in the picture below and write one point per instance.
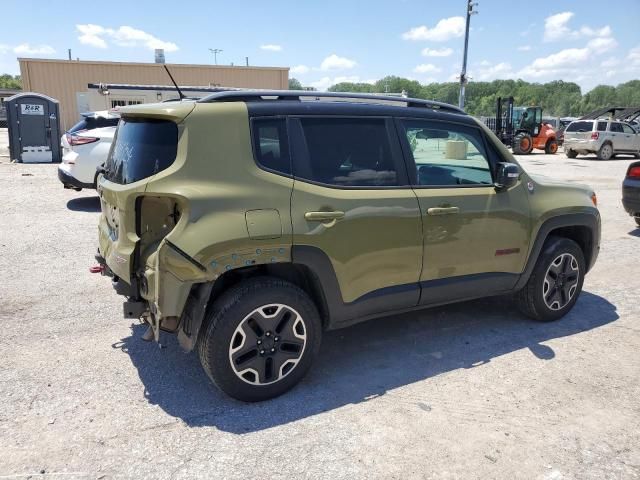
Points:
(297, 95)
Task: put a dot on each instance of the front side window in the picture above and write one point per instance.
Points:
(350, 152)
(627, 129)
(270, 144)
(447, 154)
(141, 148)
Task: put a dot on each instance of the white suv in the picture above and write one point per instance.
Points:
(85, 147)
(605, 138)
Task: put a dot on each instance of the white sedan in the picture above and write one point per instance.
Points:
(85, 147)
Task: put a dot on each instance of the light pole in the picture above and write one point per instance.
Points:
(463, 74)
(215, 52)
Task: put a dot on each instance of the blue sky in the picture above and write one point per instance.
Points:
(330, 41)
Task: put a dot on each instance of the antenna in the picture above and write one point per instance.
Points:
(174, 82)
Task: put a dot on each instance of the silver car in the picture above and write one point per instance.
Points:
(605, 138)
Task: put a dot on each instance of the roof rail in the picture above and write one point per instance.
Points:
(298, 95)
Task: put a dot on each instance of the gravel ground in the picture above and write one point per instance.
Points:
(472, 390)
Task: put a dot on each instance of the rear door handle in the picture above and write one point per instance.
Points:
(443, 210)
(323, 216)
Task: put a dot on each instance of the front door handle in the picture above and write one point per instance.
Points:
(443, 210)
(323, 216)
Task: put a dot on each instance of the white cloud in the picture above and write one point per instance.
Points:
(602, 44)
(4, 48)
(334, 62)
(569, 57)
(445, 29)
(124, 36)
(427, 68)
(27, 49)
(299, 69)
(91, 35)
(493, 72)
(524, 48)
(271, 48)
(634, 56)
(434, 52)
(325, 82)
(556, 28)
(612, 62)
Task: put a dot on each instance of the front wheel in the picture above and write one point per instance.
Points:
(571, 154)
(637, 220)
(551, 147)
(556, 281)
(522, 144)
(260, 339)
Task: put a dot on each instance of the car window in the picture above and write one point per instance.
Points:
(447, 154)
(615, 127)
(89, 123)
(627, 129)
(602, 126)
(347, 152)
(270, 145)
(580, 127)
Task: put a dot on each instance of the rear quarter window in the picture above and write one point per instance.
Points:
(580, 127)
(141, 148)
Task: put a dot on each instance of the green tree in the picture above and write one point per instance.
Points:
(10, 81)
(294, 84)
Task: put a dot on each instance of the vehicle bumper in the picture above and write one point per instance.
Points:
(581, 145)
(631, 196)
(68, 180)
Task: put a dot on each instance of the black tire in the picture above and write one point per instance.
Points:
(571, 154)
(533, 300)
(605, 152)
(551, 147)
(522, 144)
(230, 321)
(637, 219)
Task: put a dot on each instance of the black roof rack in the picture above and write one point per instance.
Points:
(610, 112)
(259, 95)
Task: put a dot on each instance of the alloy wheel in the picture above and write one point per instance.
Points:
(561, 281)
(267, 344)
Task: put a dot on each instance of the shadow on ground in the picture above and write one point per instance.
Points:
(361, 362)
(84, 204)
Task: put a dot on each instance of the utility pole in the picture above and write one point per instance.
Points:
(215, 52)
(463, 74)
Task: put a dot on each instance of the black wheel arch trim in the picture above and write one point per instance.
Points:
(590, 220)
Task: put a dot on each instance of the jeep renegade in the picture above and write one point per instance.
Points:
(249, 222)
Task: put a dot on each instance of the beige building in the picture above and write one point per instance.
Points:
(68, 80)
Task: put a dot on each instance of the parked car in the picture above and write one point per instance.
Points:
(562, 126)
(85, 147)
(631, 191)
(250, 222)
(605, 138)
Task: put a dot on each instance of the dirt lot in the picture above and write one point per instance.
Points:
(467, 391)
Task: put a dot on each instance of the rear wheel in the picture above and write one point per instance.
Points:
(637, 220)
(551, 147)
(556, 281)
(605, 152)
(522, 144)
(260, 339)
(571, 154)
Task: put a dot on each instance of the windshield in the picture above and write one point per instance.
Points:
(141, 148)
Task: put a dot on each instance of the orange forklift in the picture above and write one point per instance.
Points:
(522, 128)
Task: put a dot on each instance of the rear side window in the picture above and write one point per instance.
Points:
(580, 127)
(602, 126)
(347, 152)
(270, 145)
(615, 127)
(141, 148)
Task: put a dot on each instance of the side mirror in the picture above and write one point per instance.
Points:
(508, 175)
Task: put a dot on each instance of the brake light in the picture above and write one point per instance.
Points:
(594, 199)
(78, 140)
(634, 172)
(595, 135)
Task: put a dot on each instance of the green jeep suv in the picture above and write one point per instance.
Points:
(249, 222)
